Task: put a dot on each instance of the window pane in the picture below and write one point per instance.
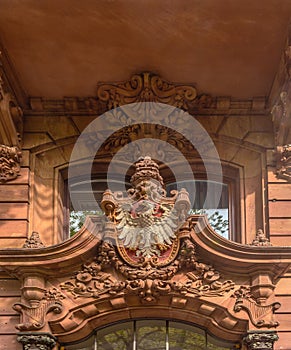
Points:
(85, 345)
(203, 196)
(183, 336)
(151, 335)
(216, 344)
(117, 337)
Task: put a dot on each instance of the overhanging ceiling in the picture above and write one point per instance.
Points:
(63, 48)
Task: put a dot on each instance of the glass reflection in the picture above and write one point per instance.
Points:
(151, 335)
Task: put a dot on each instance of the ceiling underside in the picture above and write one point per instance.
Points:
(226, 47)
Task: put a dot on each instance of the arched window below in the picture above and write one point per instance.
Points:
(149, 334)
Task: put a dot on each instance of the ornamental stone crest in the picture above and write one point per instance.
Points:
(146, 220)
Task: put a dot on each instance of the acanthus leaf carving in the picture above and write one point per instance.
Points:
(34, 313)
(147, 281)
(260, 315)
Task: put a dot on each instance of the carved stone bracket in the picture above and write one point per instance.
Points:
(40, 303)
(260, 315)
(9, 163)
(284, 162)
(260, 340)
(36, 341)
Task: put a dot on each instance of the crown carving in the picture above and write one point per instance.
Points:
(146, 168)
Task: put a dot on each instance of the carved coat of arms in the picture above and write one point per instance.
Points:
(146, 219)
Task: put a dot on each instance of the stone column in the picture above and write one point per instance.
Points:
(260, 340)
(36, 341)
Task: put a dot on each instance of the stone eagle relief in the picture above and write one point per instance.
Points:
(146, 220)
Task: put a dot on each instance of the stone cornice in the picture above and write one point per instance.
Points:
(91, 106)
(146, 87)
(229, 255)
(57, 259)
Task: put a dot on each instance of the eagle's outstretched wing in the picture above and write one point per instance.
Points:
(129, 230)
(149, 232)
(164, 228)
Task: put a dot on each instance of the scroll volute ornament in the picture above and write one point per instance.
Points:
(149, 87)
(37, 303)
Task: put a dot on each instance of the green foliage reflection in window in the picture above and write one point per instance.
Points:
(152, 335)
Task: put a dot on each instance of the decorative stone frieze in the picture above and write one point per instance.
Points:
(284, 162)
(127, 135)
(148, 281)
(33, 242)
(148, 87)
(37, 341)
(260, 340)
(261, 240)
